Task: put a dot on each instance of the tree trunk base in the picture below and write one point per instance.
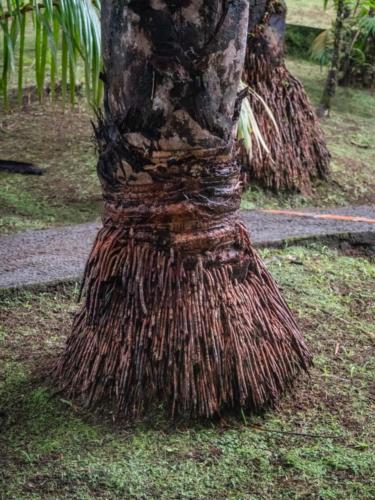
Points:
(200, 331)
(297, 150)
(298, 154)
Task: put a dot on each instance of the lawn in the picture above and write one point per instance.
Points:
(310, 13)
(60, 142)
(318, 444)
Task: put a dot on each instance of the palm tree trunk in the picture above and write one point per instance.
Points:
(298, 153)
(332, 77)
(178, 307)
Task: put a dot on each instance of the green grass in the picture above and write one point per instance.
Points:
(310, 13)
(59, 142)
(318, 444)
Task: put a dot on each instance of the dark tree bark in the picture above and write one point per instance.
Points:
(178, 307)
(299, 153)
(332, 77)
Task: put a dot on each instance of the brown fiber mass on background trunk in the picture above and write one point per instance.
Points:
(177, 306)
(299, 153)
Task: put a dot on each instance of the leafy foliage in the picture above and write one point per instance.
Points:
(358, 29)
(65, 32)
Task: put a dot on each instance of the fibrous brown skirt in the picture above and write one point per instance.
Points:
(178, 307)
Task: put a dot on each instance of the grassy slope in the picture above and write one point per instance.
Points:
(310, 13)
(51, 449)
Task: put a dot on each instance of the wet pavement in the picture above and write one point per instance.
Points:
(59, 254)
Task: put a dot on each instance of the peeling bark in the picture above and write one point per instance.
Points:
(299, 155)
(178, 307)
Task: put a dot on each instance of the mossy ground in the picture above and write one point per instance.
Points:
(317, 444)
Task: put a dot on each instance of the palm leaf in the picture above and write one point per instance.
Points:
(248, 129)
(321, 49)
(367, 25)
(66, 28)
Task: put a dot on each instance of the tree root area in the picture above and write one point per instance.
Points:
(297, 150)
(198, 333)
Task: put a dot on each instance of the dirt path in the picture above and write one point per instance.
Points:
(52, 255)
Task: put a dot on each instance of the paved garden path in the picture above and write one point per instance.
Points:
(59, 254)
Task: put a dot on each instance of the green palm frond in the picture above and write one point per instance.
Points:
(367, 25)
(248, 129)
(321, 49)
(65, 32)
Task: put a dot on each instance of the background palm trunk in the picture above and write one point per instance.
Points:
(178, 307)
(298, 153)
(332, 77)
